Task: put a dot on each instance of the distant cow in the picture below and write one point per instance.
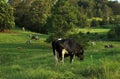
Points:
(35, 37)
(108, 46)
(66, 47)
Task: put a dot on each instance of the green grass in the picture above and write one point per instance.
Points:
(19, 60)
(91, 30)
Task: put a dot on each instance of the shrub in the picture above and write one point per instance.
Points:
(117, 30)
(51, 38)
(114, 33)
(81, 38)
(111, 33)
(94, 23)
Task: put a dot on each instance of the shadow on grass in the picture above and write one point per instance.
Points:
(17, 52)
(24, 45)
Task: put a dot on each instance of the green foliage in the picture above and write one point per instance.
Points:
(6, 16)
(81, 38)
(111, 33)
(116, 20)
(37, 15)
(21, 8)
(34, 14)
(104, 21)
(35, 19)
(117, 30)
(86, 7)
(82, 20)
(95, 23)
(14, 2)
(114, 5)
(95, 8)
(114, 33)
(63, 18)
(52, 37)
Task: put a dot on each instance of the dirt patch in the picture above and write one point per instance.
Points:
(9, 32)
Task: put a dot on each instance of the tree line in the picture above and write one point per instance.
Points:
(57, 17)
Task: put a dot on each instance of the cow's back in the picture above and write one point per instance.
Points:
(69, 44)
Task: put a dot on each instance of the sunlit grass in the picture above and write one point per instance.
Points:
(92, 30)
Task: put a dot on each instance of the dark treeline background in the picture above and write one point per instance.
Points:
(59, 16)
(33, 14)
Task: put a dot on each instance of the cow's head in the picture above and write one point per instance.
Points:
(80, 54)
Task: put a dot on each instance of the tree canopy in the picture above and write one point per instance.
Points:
(6, 16)
(63, 18)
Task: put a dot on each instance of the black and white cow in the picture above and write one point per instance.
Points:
(66, 47)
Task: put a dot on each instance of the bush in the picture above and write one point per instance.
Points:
(94, 23)
(117, 30)
(104, 22)
(81, 38)
(111, 33)
(114, 33)
(51, 38)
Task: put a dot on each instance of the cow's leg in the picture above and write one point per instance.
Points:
(71, 58)
(63, 53)
(56, 57)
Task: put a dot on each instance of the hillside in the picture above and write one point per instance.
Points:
(19, 60)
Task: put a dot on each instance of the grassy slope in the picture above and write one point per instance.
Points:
(19, 60)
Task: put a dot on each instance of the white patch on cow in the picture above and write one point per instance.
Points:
(64, 51)
(56, 57)
(59, 38)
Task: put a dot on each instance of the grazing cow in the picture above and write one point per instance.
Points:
(35, 37)
(66, 47)
(108, 46)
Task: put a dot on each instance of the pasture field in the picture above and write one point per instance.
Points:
(19, 60)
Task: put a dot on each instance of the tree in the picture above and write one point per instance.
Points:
(63, 18)
(14, 3)
(82, 20)
(6, 16)
(115, 6)
(38, 13)
(117, 20)
(114, 32)
(21, 8)
(87, 7)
